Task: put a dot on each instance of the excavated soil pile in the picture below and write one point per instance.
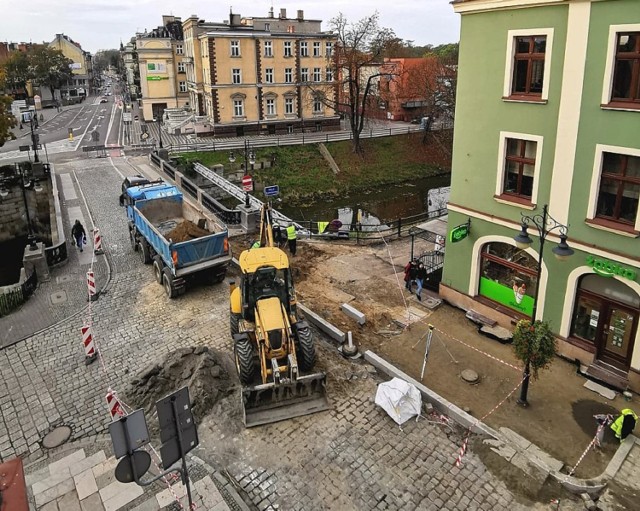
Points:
(186, 231)
(198, 368)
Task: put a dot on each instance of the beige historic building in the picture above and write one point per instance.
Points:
(163, 80)
(262, 75)
(83, 81)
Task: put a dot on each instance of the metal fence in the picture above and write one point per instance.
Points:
(15, 296)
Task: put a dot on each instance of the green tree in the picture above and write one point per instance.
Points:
(105, 58)
(7, 120)
(50, 67)
(17, 71)
(534, 345)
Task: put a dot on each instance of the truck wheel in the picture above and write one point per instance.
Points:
(167, 282)
(306, 354)
(158, 266)
(145, 253)
(234, 319)
(245, 360)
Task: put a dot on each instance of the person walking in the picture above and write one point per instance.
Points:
(78, 234)
(410, 274)
(421, 276)
(291, 238)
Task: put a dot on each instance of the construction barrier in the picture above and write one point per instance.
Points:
(113, 404)
(89, 348)
(91, 285)
(97, 242)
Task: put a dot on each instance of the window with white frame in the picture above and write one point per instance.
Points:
(268, 75)
(287, 49)
(181, 67)
(182, 86)
(268, 49)
(236, 76)
(317, 74)
(622, 70)
(329, 74)
(235, 48)
(304, 49)
(267, 27)
(328, 49)
(238, 108)
(304, 74)
(271, 106)
(615, 188)
(179, 49)
(528, 64)
(288, 106)
(317, 106)
(519, 160)
(316, 49)
(288, 75)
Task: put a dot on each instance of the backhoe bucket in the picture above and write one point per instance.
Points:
(273, 402)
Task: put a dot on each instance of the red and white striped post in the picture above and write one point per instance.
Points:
(97, 242)
(90, 351)
(91, 286)
(116, 411)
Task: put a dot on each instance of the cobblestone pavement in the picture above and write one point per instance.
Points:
(353, 457)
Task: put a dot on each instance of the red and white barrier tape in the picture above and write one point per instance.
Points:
(593, 442)
(480, 351)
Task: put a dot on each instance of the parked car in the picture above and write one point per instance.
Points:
(104, 100)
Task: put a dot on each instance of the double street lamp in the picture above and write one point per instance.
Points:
(25, 184)
(545, 224)
(31, 118)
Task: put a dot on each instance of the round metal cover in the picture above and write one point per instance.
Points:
(470, 376)
(56, 437)
(124, 471)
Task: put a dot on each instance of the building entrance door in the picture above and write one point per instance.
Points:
(615, 342)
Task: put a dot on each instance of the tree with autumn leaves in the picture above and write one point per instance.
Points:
(7, 120)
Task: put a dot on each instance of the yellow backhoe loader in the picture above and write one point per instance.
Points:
(273, 347)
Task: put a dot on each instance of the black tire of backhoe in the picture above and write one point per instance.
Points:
(306, 350)
(234, 319)
(245, 360)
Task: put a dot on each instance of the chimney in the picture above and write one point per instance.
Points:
(300, 15)
(283, 14)
(271, 12)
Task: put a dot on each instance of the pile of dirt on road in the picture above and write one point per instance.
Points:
(186, 231)
(198, 368)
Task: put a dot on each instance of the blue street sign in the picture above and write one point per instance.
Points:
(271, 191)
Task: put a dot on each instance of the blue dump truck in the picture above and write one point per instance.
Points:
(180, 241)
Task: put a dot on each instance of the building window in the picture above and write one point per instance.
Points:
(238, 108)
(317, 106)
(328, 49)
(329, 74)
(179, 49)
(626, 73)
(304, 49)
(235, 48)
(271, 106)
(181, 67)
(288, 75)
(316, 49)
(288, 106)
(304, 74)
(528, 65)
(520, 162)
(268, 49)
(619, 188)
(290, 129)
(317, 74)
(287, 48)
(508, 276)
(182, 86)
(267, 27)
(236, 76)
(268, 75)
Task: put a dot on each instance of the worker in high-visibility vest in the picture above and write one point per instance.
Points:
(255, 244)
(624, 425)
(291, 238)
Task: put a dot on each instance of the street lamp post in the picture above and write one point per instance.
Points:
(159, 121)
(35, 138)
(544, 224)
(24, 186)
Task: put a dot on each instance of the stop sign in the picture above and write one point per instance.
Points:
(247, 184)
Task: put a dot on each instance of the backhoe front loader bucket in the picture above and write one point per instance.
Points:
(273, 402)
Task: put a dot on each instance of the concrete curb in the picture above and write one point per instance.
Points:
(332, 331)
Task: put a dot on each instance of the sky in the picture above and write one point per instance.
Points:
(101, 24)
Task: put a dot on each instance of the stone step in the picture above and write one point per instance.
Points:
(608, 374)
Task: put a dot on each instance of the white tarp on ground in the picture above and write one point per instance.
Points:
(399, 399)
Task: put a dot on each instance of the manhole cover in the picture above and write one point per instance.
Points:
(56, 437)
(58, 297)
(470, 376)
(63, 278)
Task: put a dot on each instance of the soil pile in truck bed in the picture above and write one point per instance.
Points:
(198, 368)
(186, 231)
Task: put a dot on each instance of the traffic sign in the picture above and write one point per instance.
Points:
(271, 191)
(24, 148)
(247, 184)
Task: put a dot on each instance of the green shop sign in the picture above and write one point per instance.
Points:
(514, 298)
(460, 232)
(606, 268)
(155, 78)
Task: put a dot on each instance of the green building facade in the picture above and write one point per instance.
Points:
(548, 113)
